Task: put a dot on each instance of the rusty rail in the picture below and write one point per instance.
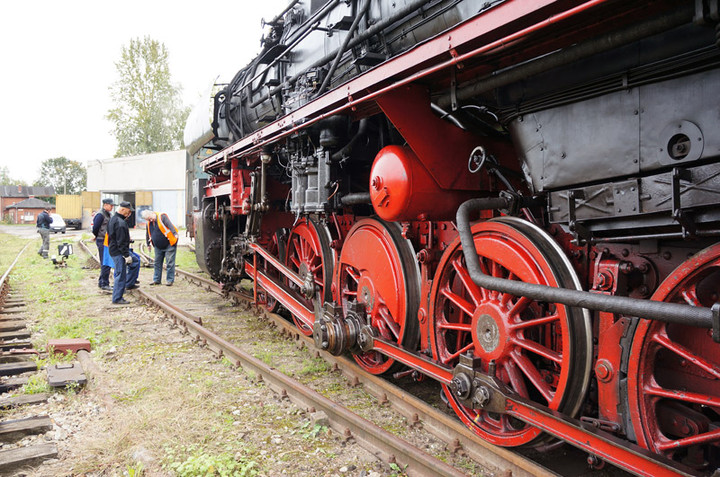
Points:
(388, 445)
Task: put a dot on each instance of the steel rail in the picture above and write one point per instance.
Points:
(443, 426)
(3, 279)
(390, 446)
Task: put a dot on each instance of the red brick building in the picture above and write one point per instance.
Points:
(13, 207)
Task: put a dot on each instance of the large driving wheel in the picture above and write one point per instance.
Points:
(309, 252)
(674, 371)
(377, 268)
(540, 350)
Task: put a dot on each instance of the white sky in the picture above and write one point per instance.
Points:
(57, 60)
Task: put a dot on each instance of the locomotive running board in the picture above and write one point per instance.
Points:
(494, 396)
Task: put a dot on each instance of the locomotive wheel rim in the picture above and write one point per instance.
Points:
(532, 357)
(674, 373)
(377, 268)
(308, 251)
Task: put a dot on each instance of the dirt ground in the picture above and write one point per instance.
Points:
(157, 404)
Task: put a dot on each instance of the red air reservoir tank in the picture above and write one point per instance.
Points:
(402, 189)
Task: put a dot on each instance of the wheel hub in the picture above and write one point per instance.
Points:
(366, 293)
(489, 332)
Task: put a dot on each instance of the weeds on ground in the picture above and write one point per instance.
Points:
(195, 461)
(185, 260)
(309, 431)
(37, 384)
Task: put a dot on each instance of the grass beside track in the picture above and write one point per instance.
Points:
(161, 405)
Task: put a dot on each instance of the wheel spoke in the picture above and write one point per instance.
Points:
(389, 322)
(534, 322)
(516, 379)
(520, 306)
(538, 349)
(533, 375)
(690, 296)
(684, 396)
(462, 303)
(476, 293)
(455, 355)
(454, 326)
(352, 273)
(297, 245)
(702, 438)
(683, 352)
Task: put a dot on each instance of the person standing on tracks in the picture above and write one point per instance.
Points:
(163, 236)
(127, 267)
(43, 228)
(99, 228)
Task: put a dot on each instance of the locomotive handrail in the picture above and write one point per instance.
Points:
(670, 312)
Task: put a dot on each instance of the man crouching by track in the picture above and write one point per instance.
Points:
(126, 267)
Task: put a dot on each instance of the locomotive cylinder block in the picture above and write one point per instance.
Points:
(401, 189)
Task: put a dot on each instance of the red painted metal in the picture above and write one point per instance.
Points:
(431, 369)
(607, 447)
(289, 301)
(489, 29)
(611, 330)
(674, 371)
(402, 189)
(373, 270)
(261, 296)
(308, 253)
(529, 343)
(279, 266)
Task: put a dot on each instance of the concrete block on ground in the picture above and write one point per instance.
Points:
(64, 345)
(63, 374)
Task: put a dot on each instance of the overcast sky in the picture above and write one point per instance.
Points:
(57, 60)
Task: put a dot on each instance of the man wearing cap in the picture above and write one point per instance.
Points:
(163, 236)
(126, 267)
(99, 228)
(43, 228)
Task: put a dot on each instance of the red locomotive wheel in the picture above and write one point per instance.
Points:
(377, 268)
(541, 350)
(674, 371)
(309, 252)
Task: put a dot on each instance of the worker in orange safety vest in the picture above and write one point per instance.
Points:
(163, 236)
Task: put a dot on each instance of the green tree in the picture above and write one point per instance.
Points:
(5, 178)
(148, 113)
(68, 177)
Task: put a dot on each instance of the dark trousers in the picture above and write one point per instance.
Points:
(104, 279)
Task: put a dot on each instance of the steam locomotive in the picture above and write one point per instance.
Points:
(518, 199)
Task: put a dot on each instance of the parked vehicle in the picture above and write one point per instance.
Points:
(58, 224)
(70, 207)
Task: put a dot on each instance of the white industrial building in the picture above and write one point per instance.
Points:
(155, 181)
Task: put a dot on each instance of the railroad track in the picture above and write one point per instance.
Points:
(15, 351)
(418, 413)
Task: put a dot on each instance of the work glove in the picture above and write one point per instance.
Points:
(128, 260)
